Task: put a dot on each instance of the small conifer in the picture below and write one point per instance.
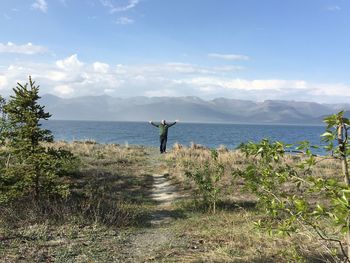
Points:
(34, 169)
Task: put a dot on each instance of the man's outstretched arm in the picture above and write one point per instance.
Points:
(156, 125)
(171, 124)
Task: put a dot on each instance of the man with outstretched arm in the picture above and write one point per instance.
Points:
(163, 133)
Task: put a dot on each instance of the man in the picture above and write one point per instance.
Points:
(163, 133)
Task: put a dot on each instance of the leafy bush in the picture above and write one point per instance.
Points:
(207, 178)
(292, 196)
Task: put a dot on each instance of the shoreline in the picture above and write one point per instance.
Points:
(321, 124)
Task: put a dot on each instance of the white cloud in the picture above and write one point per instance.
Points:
(107, 91)
(247, 85)
(333, 8)
(175, 69)
(70, 63)
(40, 5)
(228, 56)
(63, 90)
(7, 17)
(3, 82)
(124, 20)
(56, 75)
(114, 7)
(28, 49)
(337, 89)
(71, 77)
(64, 2)
(101, 67)
(162, 93)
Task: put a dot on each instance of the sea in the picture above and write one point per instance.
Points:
(209, 135)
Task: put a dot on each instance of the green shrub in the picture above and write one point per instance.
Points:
(207, 178)
(295, 198)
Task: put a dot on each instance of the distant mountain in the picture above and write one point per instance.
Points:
(189, 109)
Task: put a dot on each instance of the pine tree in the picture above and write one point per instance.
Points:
(3, 123)
(24, 116)
(34, 169)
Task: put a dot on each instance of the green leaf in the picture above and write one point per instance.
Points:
(327, 134)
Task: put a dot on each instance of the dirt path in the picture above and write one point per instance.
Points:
(164, 193)
(145, 245)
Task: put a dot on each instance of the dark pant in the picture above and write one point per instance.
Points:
(163, 140)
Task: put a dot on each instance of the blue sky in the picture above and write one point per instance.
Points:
(244, 49)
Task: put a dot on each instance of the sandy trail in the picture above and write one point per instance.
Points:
(165, 193)
(143, 246)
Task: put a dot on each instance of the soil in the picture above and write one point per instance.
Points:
(149, 244)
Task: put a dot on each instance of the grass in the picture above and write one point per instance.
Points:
(229, 235)
(106, 217)
(108, 196)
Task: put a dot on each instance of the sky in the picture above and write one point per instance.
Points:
(242, 49)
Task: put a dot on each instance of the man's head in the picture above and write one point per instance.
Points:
(163, 122)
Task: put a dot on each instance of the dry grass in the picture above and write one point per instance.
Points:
(110, 202)
(108, 195)
(229, 236)
(234, 159)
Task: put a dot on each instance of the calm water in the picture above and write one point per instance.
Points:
(211, 135)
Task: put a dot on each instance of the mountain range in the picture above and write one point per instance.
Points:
(187, 109)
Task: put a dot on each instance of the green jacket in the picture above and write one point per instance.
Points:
(163, 128)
